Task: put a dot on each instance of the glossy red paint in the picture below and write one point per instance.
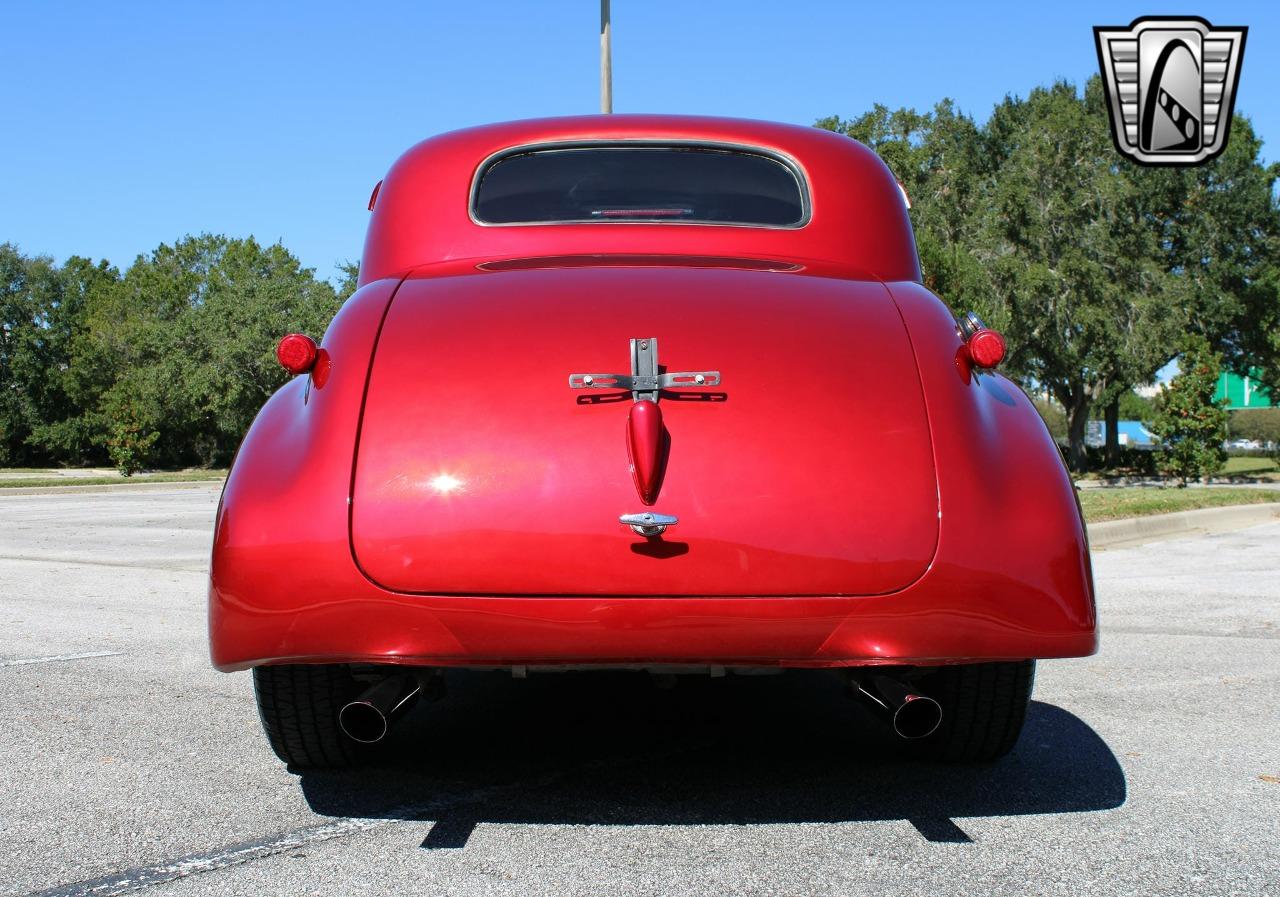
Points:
(534, 483)
(296, 353)
(986, 348)
(858, 221)
(853, 496)
(645, 442)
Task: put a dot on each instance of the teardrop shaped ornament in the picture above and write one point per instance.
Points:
(645, 443)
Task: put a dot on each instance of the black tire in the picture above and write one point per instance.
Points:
(984, 706)
(298, 706)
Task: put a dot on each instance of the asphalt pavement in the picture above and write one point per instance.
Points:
(130, 766)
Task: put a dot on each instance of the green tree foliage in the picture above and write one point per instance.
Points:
(349, 279)
(191, 334)
(1262, 424)
(1072, 259)
(164, 366)
(940, 158)
(1135, 407)
(41, 314)
(61, 435)
(1190, 424)
(1219, 227)
(129, 442)
(19, 351)
(1093, 266)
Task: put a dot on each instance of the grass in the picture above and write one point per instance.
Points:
(1242, 465)
(114, 479)
(1140, 501)
(1262, 469)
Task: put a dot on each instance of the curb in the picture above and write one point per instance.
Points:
(141, 485)
(1132, 531)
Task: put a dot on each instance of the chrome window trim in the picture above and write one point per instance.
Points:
(802, 180)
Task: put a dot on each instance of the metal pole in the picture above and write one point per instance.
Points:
(606, 60)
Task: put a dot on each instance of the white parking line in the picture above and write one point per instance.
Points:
(23, 661)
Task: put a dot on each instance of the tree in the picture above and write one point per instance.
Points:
(1093, 266)
(1190, 424)
(1219, 225)
(174, 360)
(1073, 262)
(38, 317)
(62, 434)
(252, 296)
(941, 159)
(166, 365)
(17, 320)
(350, 279)
(1135, 407)
(1261, 424)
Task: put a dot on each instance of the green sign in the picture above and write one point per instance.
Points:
(1242, 392)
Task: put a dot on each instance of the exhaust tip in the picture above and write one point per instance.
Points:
(363, 722)
(368, 718)
(918, 717)
(911, 714)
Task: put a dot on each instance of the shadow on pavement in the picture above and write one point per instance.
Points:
(611, 749)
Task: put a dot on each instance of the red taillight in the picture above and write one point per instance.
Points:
(986, 348)
(297, 353)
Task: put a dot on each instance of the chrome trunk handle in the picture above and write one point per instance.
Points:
(648, 523)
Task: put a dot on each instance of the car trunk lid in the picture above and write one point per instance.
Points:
(807, 471)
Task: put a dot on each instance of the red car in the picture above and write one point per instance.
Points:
(646, 392)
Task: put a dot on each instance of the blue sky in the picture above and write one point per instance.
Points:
(127, 125)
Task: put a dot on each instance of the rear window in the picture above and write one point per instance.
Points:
(671, 184)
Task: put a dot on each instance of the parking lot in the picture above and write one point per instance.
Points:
(129, 765)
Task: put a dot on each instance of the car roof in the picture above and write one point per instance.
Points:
(858, 224)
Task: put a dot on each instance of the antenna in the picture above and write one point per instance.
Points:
(606, 60)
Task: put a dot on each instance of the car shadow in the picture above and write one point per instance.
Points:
(613, 749)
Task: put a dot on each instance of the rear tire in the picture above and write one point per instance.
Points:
(984, 706)
(298, 705)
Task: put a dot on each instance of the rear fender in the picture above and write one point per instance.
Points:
(1006, 501)
(293, 471)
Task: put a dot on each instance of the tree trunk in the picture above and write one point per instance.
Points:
(1112, 417)
(1077, 423)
